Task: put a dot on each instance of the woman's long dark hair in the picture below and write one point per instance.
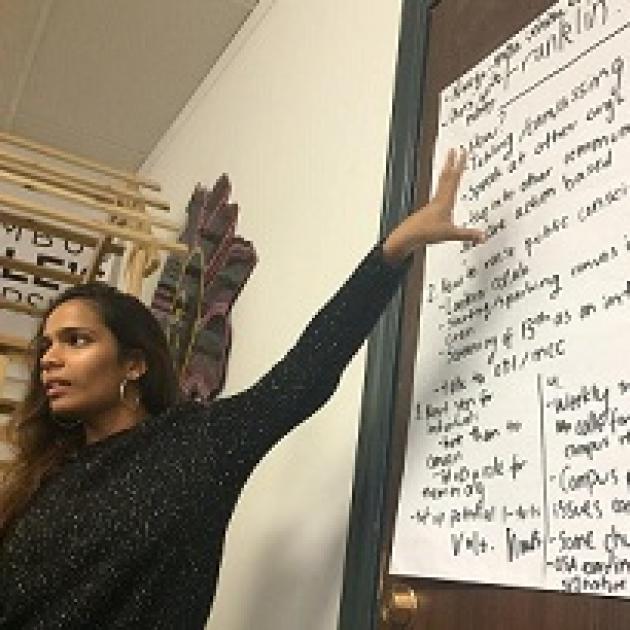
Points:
(42, 445)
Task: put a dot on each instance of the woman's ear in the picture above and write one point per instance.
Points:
(135, 365)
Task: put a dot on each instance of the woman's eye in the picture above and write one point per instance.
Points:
(79, 339)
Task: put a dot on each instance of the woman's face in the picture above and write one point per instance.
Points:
(81, 370)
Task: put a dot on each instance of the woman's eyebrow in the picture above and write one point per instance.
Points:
(65, 330)
(76, 329)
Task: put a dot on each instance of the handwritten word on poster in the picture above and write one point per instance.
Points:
(518, 460)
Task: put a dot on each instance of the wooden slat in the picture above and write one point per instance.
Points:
(90, 224)
(97, 258)
(40, 271)
(141, 262)
(6, 406)
(79, 161)
(102, 192)
(111, 209)
(19, 307)
(4, 467)
(4, 364)
(11, 344)
(28, 223)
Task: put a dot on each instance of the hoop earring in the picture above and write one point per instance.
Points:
(123, 395)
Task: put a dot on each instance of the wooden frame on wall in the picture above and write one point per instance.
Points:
(112, 214)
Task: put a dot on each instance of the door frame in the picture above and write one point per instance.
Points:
(359, 607)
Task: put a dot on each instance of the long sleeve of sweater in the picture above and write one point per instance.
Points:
(306, 377)
(129, 532)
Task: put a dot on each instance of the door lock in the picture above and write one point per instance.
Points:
(400, 606)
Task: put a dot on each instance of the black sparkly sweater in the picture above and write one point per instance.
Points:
(129, 532)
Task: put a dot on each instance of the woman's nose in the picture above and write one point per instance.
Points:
(51, 358)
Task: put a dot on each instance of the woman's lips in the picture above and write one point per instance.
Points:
(54, 389)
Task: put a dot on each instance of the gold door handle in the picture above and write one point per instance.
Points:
(400, 606)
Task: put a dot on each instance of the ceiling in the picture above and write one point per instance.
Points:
(106, 78)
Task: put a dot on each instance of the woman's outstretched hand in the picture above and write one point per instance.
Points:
(432, 223)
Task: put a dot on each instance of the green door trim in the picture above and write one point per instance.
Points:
(359, 606)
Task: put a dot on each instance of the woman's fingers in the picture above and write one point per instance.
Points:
(442, 232)
(450, 177)
(434, 222)
(465, 234)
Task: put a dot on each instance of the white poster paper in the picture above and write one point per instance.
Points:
(518, 460)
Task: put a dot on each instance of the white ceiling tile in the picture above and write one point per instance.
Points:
(114, 73)
(18, 23)
(88, 145)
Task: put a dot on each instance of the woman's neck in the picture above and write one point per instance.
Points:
(120, 419)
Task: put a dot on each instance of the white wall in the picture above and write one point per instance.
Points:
(297, 113)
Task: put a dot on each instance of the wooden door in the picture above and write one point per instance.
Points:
(461, 33)
(456, 35)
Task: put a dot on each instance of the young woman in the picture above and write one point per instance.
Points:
(114, 513)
